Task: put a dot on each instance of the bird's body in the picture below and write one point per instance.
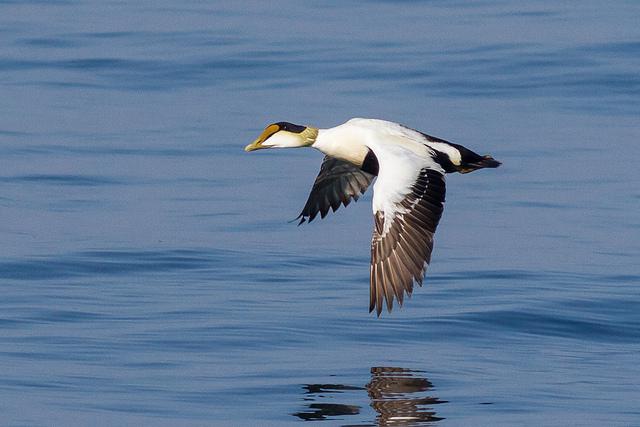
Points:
(408, 195)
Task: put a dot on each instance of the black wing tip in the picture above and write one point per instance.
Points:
(377, 308)
(374, 305)
(302, 217)
(388, 302)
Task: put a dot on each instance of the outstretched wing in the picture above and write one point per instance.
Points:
(337, 183)
(406, 214)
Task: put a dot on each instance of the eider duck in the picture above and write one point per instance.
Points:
(408, 195)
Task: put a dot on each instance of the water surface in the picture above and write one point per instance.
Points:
(150, 275)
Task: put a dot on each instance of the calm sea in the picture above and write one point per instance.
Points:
(148, 271)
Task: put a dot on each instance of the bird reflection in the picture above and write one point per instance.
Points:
(398, 395)
(392, 391)
(320, 411)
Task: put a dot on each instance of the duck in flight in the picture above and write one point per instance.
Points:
(408, 195)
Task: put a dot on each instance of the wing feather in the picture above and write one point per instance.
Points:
(402, 239)
(338, 182)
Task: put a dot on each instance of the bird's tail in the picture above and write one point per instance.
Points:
(478, 162)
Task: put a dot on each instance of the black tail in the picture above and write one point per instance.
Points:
(485, 162)
(481, 162)
(471, 161)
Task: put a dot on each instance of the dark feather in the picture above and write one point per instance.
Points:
(399, 257)
(337, 183)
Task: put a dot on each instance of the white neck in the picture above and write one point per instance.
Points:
(343, 143)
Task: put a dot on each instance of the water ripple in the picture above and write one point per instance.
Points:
(109, 263)
(602, 70)
(148, 276)
(71, 180)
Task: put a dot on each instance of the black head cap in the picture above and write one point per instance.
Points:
(290, 127)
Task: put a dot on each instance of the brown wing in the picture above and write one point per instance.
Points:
(337, 183)
(400, 255)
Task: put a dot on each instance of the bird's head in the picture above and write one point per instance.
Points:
(284, 135)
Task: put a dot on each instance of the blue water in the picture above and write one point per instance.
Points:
(149, 275)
